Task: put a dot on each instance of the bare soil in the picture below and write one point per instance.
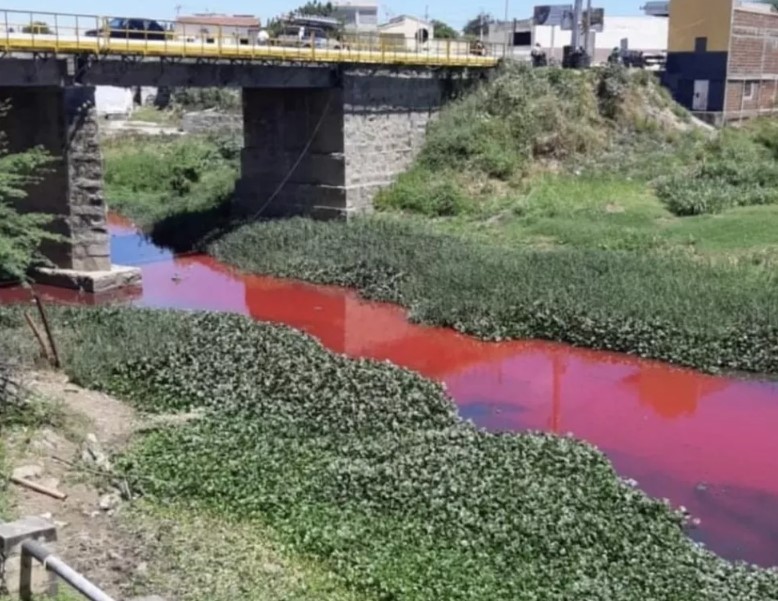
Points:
(93, 540)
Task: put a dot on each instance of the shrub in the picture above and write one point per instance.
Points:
(151, 180)
(199, 99)
(366, 469)
(431, 194)
(732, 170)
(21, 233)
(525, 116)
(665, 307)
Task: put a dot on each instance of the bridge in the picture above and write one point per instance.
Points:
(70, 34)
(325, 128)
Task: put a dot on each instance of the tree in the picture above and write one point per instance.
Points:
(474, 27)
(316, 9)
(21, 234)
(444, 31)
(313, 8)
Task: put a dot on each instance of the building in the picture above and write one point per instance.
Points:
(412, 29)
(357, 15)
(648, 34)
(722, 60)
(514, 38)
(242, 29)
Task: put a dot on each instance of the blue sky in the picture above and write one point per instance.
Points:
(455, 12)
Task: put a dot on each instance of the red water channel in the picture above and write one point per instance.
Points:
(704, 442)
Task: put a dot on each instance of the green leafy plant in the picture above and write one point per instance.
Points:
(713, 317)
(366, 469)
(734, 169)
(21, 233)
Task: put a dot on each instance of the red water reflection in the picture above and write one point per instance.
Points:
(701, 441)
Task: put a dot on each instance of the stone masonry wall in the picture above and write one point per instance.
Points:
(350, 141)
(63, 121)
(385, 121)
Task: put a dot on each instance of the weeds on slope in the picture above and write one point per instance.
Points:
(149, 179)
(364, 468)
(663, 307)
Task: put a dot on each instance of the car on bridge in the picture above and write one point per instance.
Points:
(131, 29)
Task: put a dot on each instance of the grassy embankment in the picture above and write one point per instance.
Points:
(364, 473)
(584, 208)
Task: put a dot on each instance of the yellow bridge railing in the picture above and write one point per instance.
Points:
(58, 33)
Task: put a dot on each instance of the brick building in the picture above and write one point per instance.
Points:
(722, 60)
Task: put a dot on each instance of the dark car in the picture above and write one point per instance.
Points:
(131, 29)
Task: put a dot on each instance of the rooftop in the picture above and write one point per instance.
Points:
(224, 20)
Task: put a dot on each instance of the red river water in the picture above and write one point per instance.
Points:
(708, 443)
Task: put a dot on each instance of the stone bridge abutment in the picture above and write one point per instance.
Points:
(318, 141)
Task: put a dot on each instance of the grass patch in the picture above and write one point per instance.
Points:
(365, 470)
(664, 307)
(152, 179)
(205, 556)
(150, 114)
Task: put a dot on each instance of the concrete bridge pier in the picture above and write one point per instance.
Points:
(325, 152)
(63, 121)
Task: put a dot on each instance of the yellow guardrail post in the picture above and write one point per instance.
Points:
(7, 32)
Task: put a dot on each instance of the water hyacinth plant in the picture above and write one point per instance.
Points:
(365, 469)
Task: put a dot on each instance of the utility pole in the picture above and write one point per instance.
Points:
(507, 7)
(587, 25)
(576, 41)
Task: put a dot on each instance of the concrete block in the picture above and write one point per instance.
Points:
(12, 535)
(116, 277)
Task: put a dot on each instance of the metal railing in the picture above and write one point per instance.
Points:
(59, 33)
(34, 550)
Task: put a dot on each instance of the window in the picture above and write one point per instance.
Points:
(749, 88)
(522, 38)
(700, 44)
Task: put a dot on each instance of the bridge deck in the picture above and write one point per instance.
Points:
(52, 33)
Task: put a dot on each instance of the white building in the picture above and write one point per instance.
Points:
(411, 28)
(357, 15)
(242, 29)
(645, 33)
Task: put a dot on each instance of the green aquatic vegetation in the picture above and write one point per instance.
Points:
(365, 469)
(712, 317)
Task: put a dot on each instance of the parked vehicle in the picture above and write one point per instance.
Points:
(131, 29)
(307, 32)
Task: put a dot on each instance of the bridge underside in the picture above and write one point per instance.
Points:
(318, 141)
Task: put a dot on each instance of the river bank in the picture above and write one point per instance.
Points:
(661, 426)
(304, 439)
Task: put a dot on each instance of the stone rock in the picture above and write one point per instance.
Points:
(28, 472)
(93, 454)
(142, 569)
(147, 598)
(110, 501)
(201, 122)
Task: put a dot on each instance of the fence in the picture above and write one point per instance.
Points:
(60, 33)
(34, 550)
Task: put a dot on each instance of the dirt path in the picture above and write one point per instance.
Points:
(72, 456)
